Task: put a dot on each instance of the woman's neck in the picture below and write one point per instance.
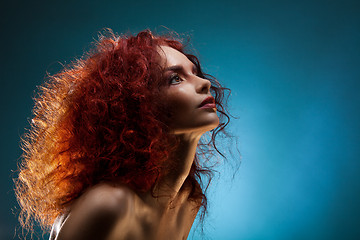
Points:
(168, 186)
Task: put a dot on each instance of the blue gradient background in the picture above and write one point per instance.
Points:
(293, 67)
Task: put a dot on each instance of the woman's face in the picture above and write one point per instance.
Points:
(191, 106)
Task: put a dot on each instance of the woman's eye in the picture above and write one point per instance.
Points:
(175, 79)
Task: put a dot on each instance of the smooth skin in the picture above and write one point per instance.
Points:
(112, 211)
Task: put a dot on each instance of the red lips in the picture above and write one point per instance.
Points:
(209, 101)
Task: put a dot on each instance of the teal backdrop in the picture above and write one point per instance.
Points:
(294, 71)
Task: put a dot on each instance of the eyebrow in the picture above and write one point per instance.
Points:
(180, 68)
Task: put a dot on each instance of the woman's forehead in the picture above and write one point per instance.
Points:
(172, 57)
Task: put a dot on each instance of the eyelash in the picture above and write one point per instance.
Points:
(176, 77)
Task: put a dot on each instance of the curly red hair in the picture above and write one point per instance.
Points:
(101, 119)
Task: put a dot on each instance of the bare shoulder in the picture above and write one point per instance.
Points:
(106, 197)
(97, 211)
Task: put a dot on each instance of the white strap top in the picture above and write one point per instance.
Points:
(58, 223)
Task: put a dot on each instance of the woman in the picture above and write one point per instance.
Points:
(114, 148)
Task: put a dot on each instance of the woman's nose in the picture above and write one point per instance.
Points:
(203, 85)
